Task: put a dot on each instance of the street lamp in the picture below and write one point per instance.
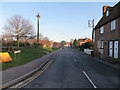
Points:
(38, 20)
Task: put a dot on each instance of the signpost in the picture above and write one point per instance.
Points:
(15, 52)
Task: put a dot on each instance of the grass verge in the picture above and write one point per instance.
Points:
(27, 54)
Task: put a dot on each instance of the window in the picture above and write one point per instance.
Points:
(101, 29)
(110, 48)
(102, 44)
(107, 12)
(113, 49)
(113, 25)
(116, 49)
(98, 44)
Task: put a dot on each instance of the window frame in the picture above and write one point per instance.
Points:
(102, 30)
(107, 13)
(113, 25)
(102, 44)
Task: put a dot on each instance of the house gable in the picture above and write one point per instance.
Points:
(114, 12)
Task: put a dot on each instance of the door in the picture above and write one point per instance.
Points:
(110, 48)
(116, 49)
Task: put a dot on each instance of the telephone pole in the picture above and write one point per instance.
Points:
(38, 21)
(91, 25)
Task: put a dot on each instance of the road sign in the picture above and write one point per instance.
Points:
(17, 51)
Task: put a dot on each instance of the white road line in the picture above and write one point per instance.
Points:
(89, 79)
(22, 76)
(75, 60)
(39, 73)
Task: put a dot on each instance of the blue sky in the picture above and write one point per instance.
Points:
(59, 20)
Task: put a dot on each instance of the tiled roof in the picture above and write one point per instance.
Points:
(88, 40)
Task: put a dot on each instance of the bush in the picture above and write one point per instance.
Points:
(37, 45)
(14, 43)
(27, 44)
(14, 49)
(21, 44)
(87, 45)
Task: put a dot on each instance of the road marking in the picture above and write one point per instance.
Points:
(89, 79)
(35, 76)
(75, 60)
(22, 76)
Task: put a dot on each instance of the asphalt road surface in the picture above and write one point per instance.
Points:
(72, 69)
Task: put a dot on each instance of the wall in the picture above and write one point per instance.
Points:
(106, 36)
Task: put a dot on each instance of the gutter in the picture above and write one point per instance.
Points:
(26, 76)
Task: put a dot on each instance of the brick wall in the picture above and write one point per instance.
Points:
(118, 22)
(106, 36)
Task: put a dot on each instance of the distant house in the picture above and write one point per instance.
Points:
(87, 40)
(45, 43)
(80, 41)
(56, 45)
(51, 43)
(32, 41)
(107, 33)
(83, 40)
(6, 38)
(67, 44)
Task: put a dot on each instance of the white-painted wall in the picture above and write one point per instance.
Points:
(88, 51)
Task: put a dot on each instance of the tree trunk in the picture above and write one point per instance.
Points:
(18, 42)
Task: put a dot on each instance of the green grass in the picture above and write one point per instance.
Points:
(27, 54)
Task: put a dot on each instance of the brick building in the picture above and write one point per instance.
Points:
(56, 45)
(83, 40)
(107, 34)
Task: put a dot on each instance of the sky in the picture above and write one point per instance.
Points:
(59, 20)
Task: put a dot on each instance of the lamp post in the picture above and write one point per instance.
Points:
(38, 20)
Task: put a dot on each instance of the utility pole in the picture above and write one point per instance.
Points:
(38, 20)
(91, 25)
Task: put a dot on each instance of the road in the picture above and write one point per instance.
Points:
(72, 69)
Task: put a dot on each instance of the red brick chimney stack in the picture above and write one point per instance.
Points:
(105, 9)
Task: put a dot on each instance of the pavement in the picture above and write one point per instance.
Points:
(73, 69)
(114, 65)
(14, 73)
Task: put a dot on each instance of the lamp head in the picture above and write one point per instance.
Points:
(38, 16)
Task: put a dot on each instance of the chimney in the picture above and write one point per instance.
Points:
(105, 9)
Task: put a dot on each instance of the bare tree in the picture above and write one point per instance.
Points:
(71, 41)
(41, 36)
(18, 27)
(46, 38)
